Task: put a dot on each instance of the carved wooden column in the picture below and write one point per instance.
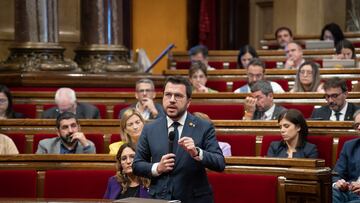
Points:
(36, 45)
(101, 48)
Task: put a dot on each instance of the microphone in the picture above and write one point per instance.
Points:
(171, 141)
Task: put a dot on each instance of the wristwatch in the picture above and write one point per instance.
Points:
(198, 151)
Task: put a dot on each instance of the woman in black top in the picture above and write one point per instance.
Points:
(294, 130)
(6, 110)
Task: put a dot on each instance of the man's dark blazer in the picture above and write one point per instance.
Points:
(348, 165)
(324, 112)
(188, 181)
(83, 111)
(158, 107)
(277, 111)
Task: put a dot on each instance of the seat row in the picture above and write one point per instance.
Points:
(91, 184)
(241, 145)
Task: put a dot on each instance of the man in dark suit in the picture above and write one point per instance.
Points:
(178, 170)
(337, 108)
(346, 181)
(65, 99)
(260, 105)
(145, 94)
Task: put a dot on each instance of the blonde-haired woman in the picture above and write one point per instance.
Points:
(131, 125)
(125, 184)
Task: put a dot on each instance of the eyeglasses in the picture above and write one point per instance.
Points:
(177, 96)
(144, 91)
(3, 101)
(257, 76)
(356, 126)
(332, 96)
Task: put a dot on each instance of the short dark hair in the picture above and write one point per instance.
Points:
(347, 45)
(335, 31)
(243, 50)
(335, 82)
(297, 118)
(263, 86)
(65, 116)
(199, 49)
(257, 62)
(196, 66)
(281, 29)
(179, 80)
(9, 111)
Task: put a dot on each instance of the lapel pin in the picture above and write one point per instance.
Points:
(191, 124)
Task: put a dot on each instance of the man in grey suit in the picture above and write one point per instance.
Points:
(177, 167)
(337, 108)
(260, 105)
(65, 99)
(145, 95)
(70, 139)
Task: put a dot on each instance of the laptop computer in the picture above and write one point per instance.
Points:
(319, 44)
(338, 63)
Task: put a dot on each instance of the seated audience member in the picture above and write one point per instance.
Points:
(200, 53)
(308, 78)
(346, 181)
(70, 139)
(345, 50)
(337, 108)
(131, 125)
(6, 110)
(332, 32)
(145, 95)
(125, 184)
(255, 72)
(283, 36)
(260, 105)
(7, 145)
(225, 147)
(65, 99)
(294, 56)
(294, 130)
(246, 53)
(198, 78)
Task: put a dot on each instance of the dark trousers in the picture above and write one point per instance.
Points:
(339, 196)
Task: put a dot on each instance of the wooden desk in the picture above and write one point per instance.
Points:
(302, 179)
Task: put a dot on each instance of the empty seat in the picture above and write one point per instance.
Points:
(18, 183)
(243, 188)
(219, 111)
(29, 110)
(87, 184)
(241, 145)
(217, 85)
(115, 138)
(19, 140)
(305, 109)
(118, 108)
(342, 140)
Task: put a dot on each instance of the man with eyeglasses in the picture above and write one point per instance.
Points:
(70, 139)
(175, 150)
(260, 104)
(256, 71)
(346, 178)
(145, 105)
(337, 108)
(65, 99)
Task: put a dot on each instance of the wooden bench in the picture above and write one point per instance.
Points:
(299, 179)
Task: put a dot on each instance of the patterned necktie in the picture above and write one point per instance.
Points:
(175, 125)
(337, 115)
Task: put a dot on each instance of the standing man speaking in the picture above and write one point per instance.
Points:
(175, 150)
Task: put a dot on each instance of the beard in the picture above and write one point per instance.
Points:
(67, 140)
